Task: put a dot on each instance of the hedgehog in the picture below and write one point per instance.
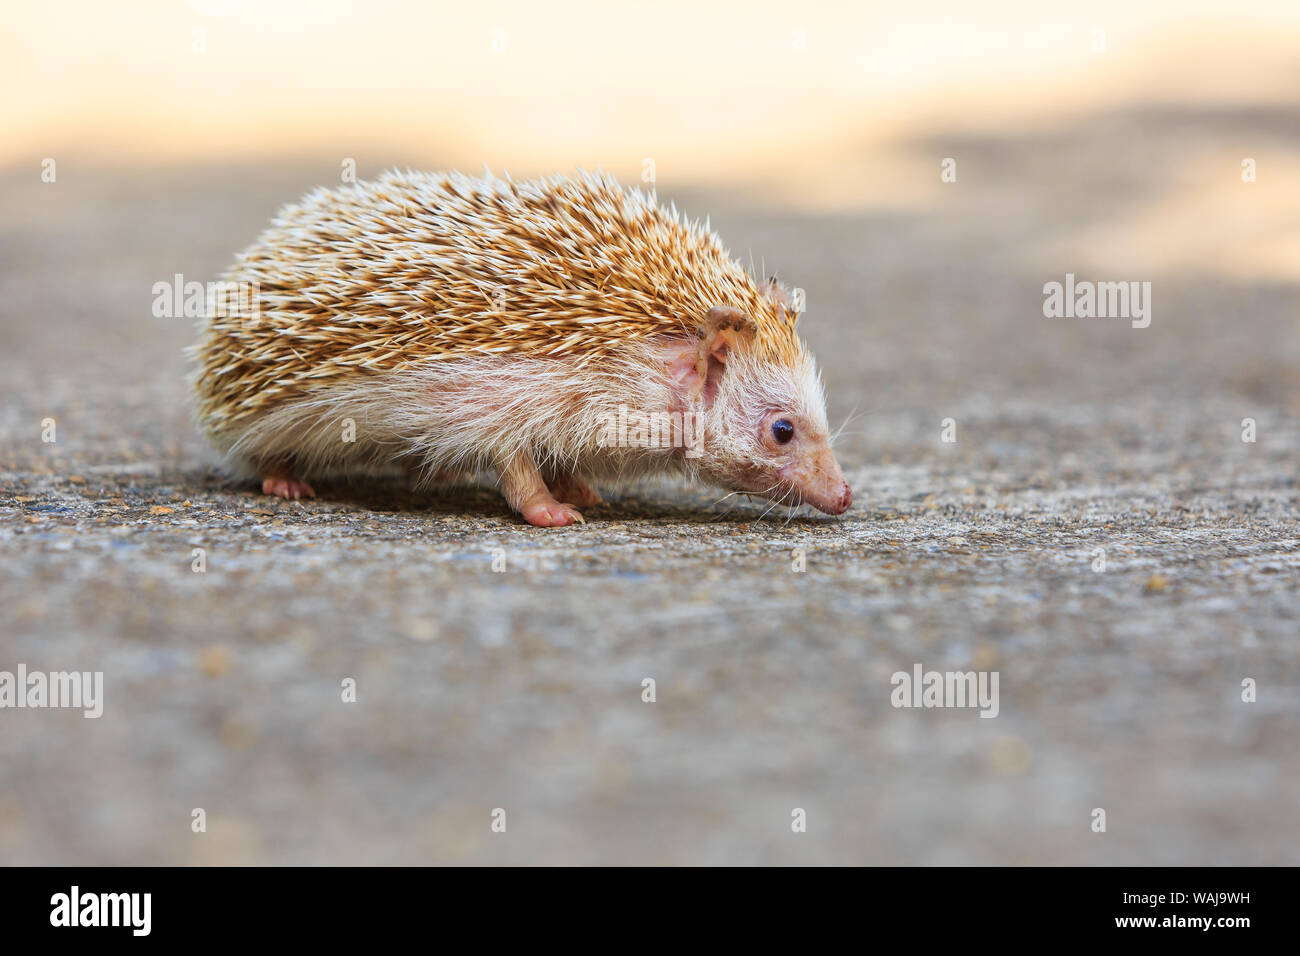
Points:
(557, 333)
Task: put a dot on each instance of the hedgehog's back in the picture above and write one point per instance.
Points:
(412, 267)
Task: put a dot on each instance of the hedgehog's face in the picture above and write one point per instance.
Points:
(765, 431)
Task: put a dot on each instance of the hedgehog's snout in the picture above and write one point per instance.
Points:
(820, 482)
(829, 492)
(842, 502)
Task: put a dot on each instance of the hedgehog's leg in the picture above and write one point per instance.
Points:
(527, 493)
(575, 490)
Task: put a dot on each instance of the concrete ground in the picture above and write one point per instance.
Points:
(1076, 439)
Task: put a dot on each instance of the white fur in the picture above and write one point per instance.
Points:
(476, 413)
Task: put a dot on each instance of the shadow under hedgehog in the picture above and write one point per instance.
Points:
(439, 322)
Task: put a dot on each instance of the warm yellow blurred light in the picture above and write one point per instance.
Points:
(814, 103)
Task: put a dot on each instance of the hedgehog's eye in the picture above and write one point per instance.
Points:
(782, 430)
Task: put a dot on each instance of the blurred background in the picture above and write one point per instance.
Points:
(1155, 142)
(759, 96)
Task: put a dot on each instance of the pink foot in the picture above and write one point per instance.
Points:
(289, 488)
(545, 512)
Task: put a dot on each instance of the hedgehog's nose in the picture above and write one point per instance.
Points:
(837, 502)
(829, 492)
(845, 499)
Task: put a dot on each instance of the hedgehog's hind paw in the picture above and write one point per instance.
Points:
(288, 488)
(575, 491)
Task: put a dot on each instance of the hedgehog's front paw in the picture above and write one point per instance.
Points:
(289, 488)
(545, 512)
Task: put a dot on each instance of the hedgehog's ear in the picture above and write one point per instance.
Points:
(699, 367)
(776, 292)
(721, 333)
